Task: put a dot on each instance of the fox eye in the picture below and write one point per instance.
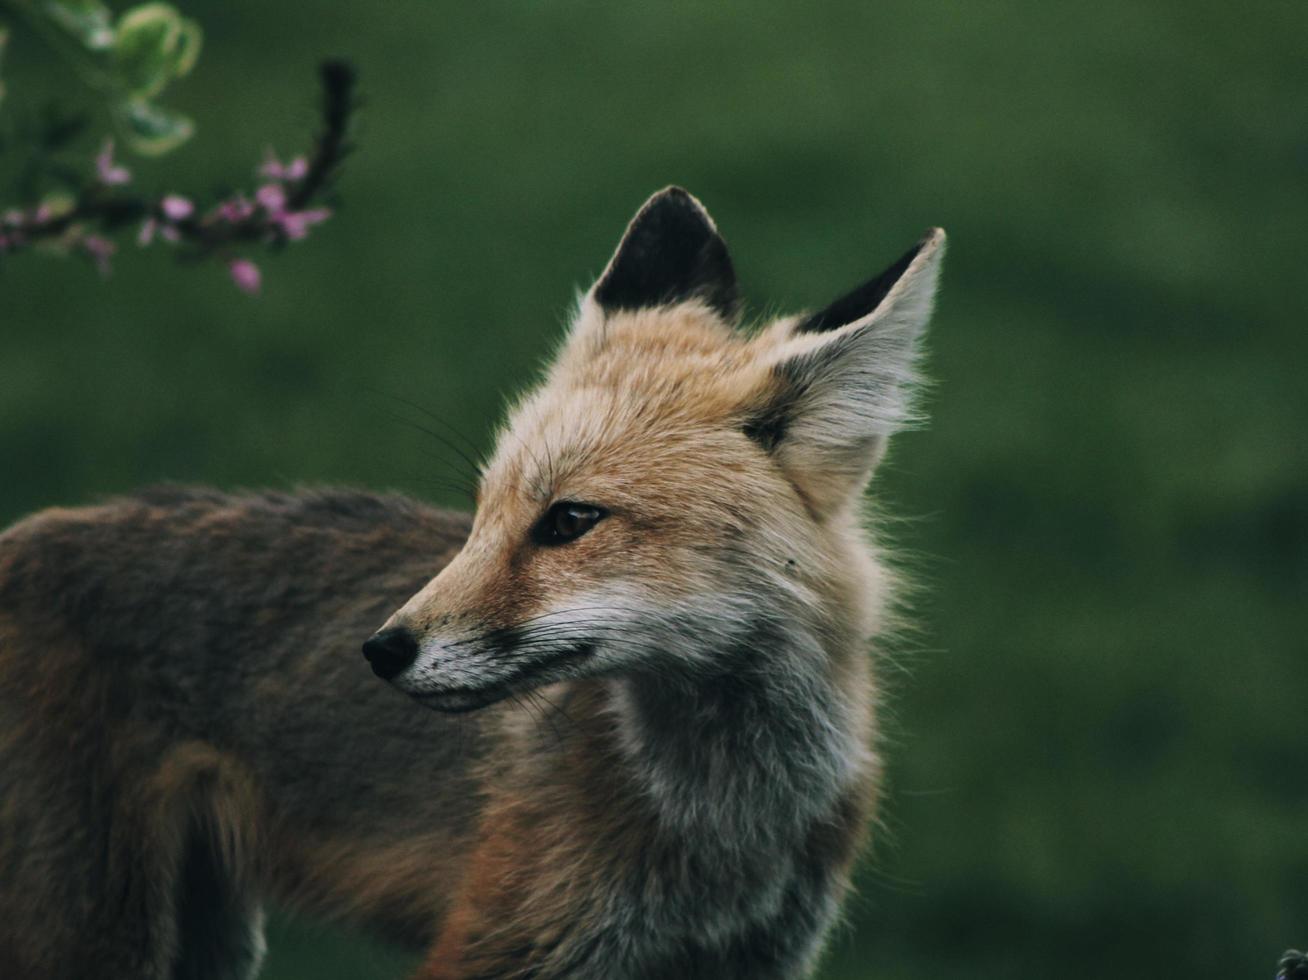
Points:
(566, 521)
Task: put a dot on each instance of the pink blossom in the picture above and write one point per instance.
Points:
(274, 169)
(151, 227)
(271, 168)
(272, 198)
(296, 224)
(176, 208)
(110, 173)
(235, 210)
(246, 275)
(100, 250)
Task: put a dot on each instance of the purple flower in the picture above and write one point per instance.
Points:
(100, 250)
(245, 274)
(146, 235)
(176, 208)
(272, 198)
(274, 169)
(110, 173)
(235, 210)
(295, 225)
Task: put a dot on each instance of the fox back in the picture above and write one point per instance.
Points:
(629, 726)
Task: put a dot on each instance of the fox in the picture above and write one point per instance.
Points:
(620, 723)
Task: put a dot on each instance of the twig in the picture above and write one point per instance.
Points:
(281, 210)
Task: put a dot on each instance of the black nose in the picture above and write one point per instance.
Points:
(390, 651)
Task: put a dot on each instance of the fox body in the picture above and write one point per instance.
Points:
(652, 749)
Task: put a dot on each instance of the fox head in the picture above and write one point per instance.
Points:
(677, 489)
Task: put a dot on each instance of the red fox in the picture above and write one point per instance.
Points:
(652, 749)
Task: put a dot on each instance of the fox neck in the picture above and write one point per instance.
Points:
(755, 751)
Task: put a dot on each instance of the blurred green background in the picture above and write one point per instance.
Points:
(1098, 742)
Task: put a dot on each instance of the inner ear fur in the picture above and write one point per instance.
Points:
(863, 300)
(844, 380)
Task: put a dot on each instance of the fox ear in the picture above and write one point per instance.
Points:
(844, 382)
(671, 252)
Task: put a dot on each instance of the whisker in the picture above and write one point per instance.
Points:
(439, 420)
(535, 696)
(442, 440)
(544, 697)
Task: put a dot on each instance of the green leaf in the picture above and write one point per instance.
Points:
(58, 204)
(189, 42)
(89, 21)
(152, 130)
(147, 45)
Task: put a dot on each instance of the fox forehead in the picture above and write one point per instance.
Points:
(646, 398)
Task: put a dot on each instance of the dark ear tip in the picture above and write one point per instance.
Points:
(934, 238)
(867, 297)
(675, 198)
(673, 190)
(672, 252)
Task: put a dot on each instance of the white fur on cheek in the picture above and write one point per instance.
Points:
(445, 663)
(611, 623)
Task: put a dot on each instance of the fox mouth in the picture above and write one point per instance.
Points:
(460, 700)
(463, 699)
